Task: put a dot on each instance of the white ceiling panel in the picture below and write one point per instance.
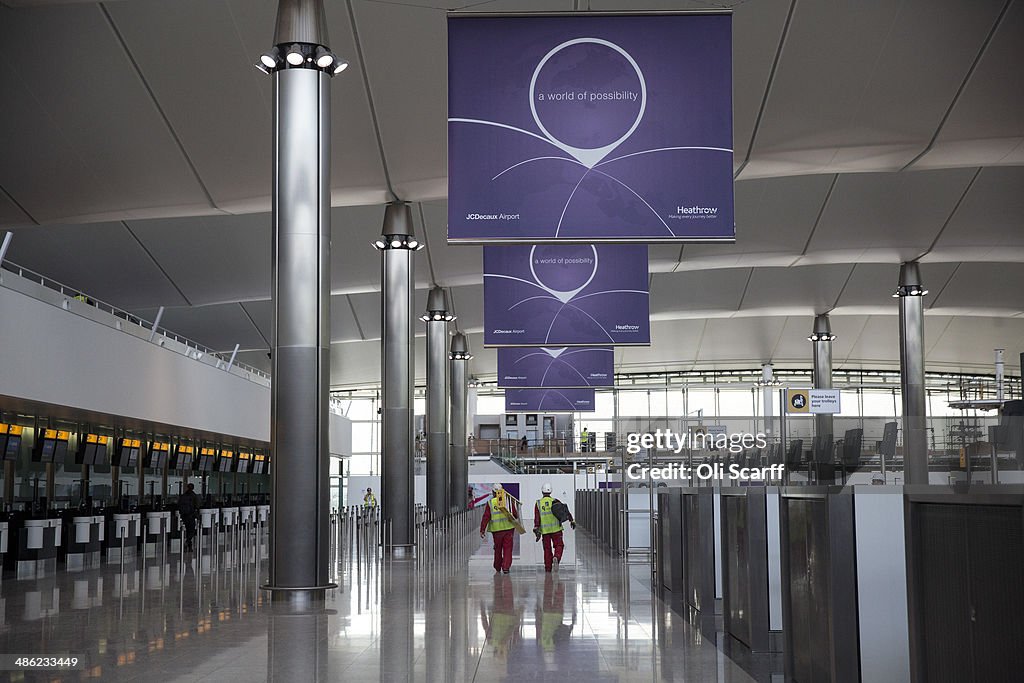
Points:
(674, 345)
(212, 259)
(863, 87)
(989, 224)
(807, 289)
(406, 63)
(873, 284)
(468, 304)
(355, 264)
(452, 264)
(885, 217)
(774, 218)
(983, 288)
(970, 341)
(367, 308)
(876, 344)
(689, 292)
(101, 259)
(740, 339)
(987, 123)
(88, 127)
(358, 363)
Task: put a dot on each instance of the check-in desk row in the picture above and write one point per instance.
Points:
(868, 583)
(33, 546)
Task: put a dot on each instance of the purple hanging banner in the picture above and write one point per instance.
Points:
(566, 295)
(549, 400)
(588, 366)
(587, 128)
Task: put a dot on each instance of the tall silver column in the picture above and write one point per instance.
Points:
(397, 246)
(915, 436)
(459, 357)
(822, 338)
(301, 67)
(437, 318)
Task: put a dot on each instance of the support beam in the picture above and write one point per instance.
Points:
(824, 437)
(438, 468)
(459, 358)
(396, 365)
(911, 294)
(300, 288)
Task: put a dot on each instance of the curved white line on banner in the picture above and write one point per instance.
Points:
(602, 350)
(663, 149)
(545, 375)
(504, 125)
(516, 361)
(553, 319)
(568, 294)
(517, 279)
(571, 161)
(638, 197)
(569, 365)
(567, 201)
(552, 298)
(615, 291)
(599, 326)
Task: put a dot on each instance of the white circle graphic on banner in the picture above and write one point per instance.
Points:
(588, 156)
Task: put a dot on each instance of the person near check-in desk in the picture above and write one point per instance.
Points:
(369, 500)
(498, 519)
(188, 510)
(548, 514)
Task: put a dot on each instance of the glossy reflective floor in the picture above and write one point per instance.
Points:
(448, 619)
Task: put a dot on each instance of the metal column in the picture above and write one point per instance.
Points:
(438, 468)
(915, 437)
(300, 288)
(397, 246)
(822, 338)
(459, 356)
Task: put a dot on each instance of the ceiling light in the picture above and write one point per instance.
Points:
(340, 66)
(395, 244)
(261, 67)
(379, 244)
(295, 57)
(412, 244)
(323, 58)
(270, 59)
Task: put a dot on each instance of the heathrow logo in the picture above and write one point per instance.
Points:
(694, 212)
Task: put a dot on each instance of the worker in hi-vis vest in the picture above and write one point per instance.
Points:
(369, 500)
(548, 527)
(499, 514)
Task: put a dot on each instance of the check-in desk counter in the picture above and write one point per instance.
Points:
(229, 519)
(751, 567)
(124, 529)
(819, 585)
(247, 515)
(699, 556)
(263, 513)
(87, 592)
(39, 541)
(84, 536)
(156, 529)
(670, 547)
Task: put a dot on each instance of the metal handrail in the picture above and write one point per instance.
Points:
(73, 293)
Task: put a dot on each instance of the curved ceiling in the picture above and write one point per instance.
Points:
(865, 134)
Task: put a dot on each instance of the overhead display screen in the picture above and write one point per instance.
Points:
(590, 128)
(587, 366)
(549, 400)
(566, 295)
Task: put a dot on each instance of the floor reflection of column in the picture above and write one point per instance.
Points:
(459, 644)
(297, 645)
(396, 622)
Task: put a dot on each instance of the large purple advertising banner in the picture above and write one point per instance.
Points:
(566, 295)
(588, 366)
(549, 400)
(611, 128)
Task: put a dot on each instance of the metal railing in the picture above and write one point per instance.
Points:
(192, 348)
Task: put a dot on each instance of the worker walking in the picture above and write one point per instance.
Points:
(548, 516)
(369, 500)
(500, 517)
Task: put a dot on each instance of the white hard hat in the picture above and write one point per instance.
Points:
(497, 487)
(546, 488)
